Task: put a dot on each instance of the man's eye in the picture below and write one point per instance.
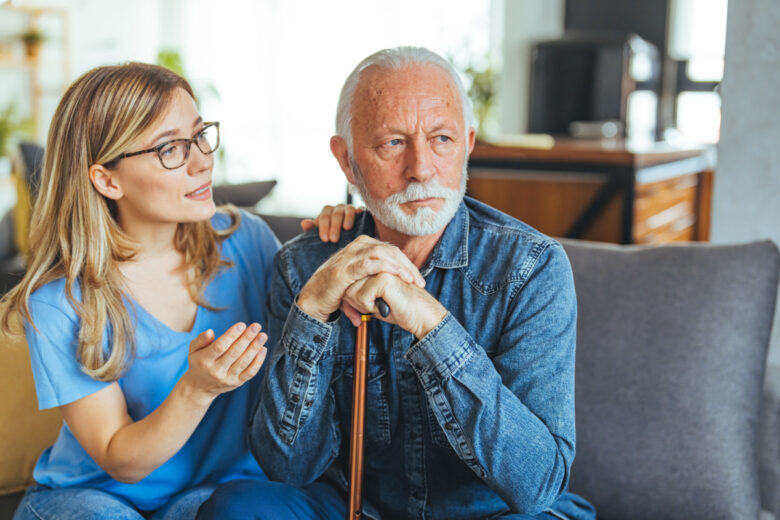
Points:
(394, 142)
(443, 138)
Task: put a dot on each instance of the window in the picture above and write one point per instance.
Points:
(698, 35)
(277, 68)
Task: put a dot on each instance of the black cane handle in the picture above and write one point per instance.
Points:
(384, 308)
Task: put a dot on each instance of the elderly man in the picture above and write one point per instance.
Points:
(470, 393)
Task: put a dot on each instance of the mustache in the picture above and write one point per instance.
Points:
(420, 190)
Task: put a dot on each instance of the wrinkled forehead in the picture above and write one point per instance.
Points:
(383, 93)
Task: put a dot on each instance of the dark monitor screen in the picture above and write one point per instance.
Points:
(647, 18)
(575, 81)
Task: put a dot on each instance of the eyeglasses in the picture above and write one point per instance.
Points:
(173, 154)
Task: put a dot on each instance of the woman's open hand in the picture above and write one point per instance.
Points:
(221, 365)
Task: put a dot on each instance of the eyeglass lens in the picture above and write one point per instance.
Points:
(175, 153)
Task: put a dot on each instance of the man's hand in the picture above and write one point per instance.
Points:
(363, 257)
(411, 307)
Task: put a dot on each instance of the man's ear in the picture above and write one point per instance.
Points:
(472, 139)
(105, 182)
(338, 146)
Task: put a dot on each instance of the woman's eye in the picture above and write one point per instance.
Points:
(169, 150)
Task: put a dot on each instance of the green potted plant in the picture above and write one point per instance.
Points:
(32, 39)
(483, 92)
(11, 126)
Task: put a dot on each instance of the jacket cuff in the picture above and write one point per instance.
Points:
(442, 351)
(304, 337)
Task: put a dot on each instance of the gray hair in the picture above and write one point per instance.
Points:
(395, 59)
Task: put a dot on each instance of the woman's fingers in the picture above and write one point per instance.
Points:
(202, 340)
(323, 222)
(331, 221)
(247, 356)
(254, 367)
(220, 345)
(336, 221)
(307, 224)
(237, 347)
(349, 216)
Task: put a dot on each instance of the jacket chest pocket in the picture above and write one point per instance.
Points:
(377, 413)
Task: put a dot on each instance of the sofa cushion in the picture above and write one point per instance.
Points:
(671, 351)
(243, 195)
(25, 431)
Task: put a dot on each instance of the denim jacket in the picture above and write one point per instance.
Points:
(474, 420)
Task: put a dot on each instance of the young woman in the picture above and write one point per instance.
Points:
(142, 304)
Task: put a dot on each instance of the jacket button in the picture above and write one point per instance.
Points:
(318, 339)
(448, 426)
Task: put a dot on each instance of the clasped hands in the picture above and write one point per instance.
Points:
(367, 269)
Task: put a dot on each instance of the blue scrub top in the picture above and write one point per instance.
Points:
(218, 450)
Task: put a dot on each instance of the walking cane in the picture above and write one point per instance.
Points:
(359, 413)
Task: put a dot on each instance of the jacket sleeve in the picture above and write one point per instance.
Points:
(293, 432)
(511, 418)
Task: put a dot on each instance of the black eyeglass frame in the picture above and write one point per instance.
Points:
(189, 142)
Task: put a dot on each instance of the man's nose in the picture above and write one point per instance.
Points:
(420, 164)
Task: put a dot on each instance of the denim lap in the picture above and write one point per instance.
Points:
(267, 500)
(41, 503)
(184, 506)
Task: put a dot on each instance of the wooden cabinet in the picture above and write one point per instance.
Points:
(584, 190)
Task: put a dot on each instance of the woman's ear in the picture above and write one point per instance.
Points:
(105, 182)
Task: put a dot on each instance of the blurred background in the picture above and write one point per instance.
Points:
(271, 71)
(629, 121)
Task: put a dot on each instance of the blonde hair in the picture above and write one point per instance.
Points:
(75, 233)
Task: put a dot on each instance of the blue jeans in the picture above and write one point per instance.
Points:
(267, 500)
(44, 503)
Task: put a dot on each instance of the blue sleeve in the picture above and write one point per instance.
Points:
(59, 379)
(511, 418)
(251, 248)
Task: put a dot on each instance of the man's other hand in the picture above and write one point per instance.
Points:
(411, 307)
(363, 257)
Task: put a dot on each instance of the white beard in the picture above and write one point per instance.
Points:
(424, 221)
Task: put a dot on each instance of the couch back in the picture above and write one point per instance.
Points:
(671, 351)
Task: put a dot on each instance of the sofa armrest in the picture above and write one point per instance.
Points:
(769, 439)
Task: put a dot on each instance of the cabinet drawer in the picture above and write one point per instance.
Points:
(664, 211)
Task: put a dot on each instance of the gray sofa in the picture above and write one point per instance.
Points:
(671, 349)
(670, 363)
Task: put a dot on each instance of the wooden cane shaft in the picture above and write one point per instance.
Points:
(358, 420)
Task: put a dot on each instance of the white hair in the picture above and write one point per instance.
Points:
(395, 59)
